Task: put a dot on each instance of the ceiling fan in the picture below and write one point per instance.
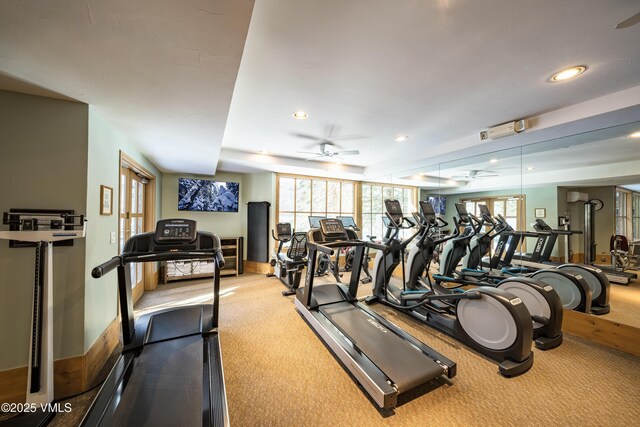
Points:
(629, 22)
(328, 151)
(473, 174)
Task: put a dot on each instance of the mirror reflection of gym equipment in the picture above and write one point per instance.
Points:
(595, 223)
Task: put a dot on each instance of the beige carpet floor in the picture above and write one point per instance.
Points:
(278, 373)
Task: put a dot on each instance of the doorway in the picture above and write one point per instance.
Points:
(136, 215)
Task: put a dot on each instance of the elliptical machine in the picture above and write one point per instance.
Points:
(570, 281)
(288, 268)
(542, 301)
(492, 321)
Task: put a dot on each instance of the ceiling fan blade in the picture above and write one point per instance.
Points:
(348, 152)
(345, 137)
(629, 22)
(305, 136)
(314, 157)
(309, 152)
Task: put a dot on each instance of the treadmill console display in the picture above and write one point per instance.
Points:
(332, 228)
(394, 210)
(175, 231)
(428, 211)
(283, 229)
(462, 212)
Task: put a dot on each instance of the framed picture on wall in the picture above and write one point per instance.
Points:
(106, 200)
(541, 213)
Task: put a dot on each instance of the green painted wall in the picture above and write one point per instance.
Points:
(56, 154)
(43, 165)
(224, 224)
(256, 187)
(104, 145)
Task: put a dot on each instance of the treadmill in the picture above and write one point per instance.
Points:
(170, 370)
(383, 358)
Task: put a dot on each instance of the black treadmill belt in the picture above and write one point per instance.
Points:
(403, 363)
(177, 323)
(165, 388)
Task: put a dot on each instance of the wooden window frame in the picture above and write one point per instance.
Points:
(355, 212)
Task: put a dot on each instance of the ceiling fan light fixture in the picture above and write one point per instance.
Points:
(635, 135)
(401, 138)
(568, 73)
(300, 115)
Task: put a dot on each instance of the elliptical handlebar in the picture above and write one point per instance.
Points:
(398, 227)
(456, 232)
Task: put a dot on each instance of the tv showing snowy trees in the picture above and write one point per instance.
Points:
(208, 196)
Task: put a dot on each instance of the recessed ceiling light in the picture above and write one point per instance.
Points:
(635, 135)
(401, 138)
(493, 161)
(569, 73)
(300, 115)
(530, 168)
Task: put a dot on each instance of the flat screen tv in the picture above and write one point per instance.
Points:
(207, 196)
(439, 204)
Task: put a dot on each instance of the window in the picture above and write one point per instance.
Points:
(300, 197)
(621, 212)
(510, 207)
(635, 216)
(373, 197)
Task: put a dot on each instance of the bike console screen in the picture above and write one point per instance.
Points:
(394, 210)
(175, 231)
(283, 229)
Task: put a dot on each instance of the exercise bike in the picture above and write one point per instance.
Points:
(492, 321)
(288, 268)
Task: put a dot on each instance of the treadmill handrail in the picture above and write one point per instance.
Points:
(128, 258)
(324, 248)
(106, 267)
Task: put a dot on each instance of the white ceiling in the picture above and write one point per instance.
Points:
(166, 75)
(439, 71)
(162, 72)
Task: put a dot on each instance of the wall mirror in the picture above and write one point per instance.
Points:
(588, 183)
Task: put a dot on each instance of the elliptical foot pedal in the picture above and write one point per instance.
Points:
(547, 343)
(510, 369)
(600, 310)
